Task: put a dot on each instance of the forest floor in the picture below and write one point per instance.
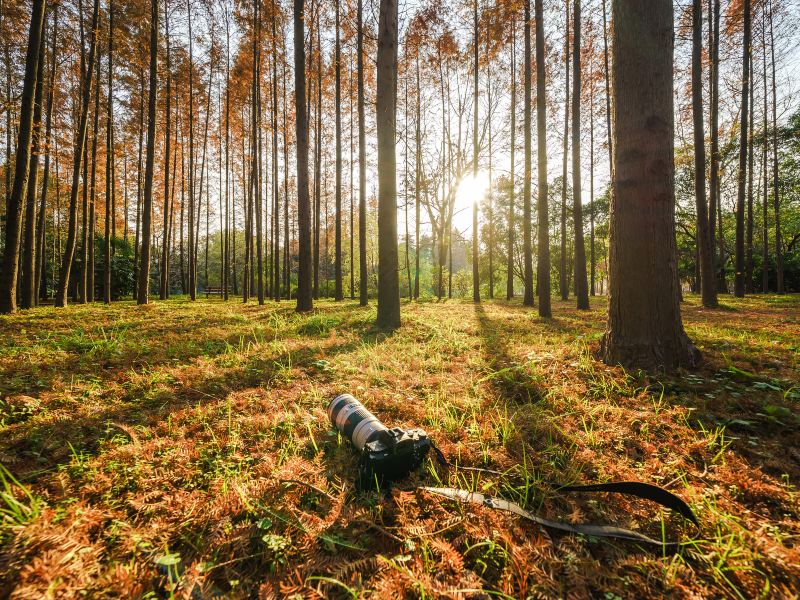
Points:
(183, 449)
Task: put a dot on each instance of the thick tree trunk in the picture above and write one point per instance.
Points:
(543, 262)
(644, 321)
(388, 280)
(708, 284)
(526, 179)
(739, 275)
(581, 287)
(362, 161)
(80, 145)
(14, 204)
(147, 208)
(304, 301)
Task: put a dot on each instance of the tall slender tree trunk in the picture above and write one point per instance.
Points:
(644, 320)
(714, 206)
(417, 179)
(708, 284)
(526, 179)
(337, 267)
(318, 159)
(739, 275)
(80, 144)
(192, 264)
(490, 199)
(109, 179)
(476, 282)
(512, 162)
(147, 209)
(41, 262)
(163, 288)
(362, 161)
(388, 281)
(592, 260)
(543, 262)
(563, 283)
(93, 191)
(352, 187)
(304, 301)
(748, 240)
(606, 73)
(226, 230)
(581, 287)
(139, 181)
(28, 288)
(764, 163)
(775, 164)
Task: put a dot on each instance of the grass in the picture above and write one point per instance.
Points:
(183, 448)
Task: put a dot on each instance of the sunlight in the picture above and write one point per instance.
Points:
(472, 189)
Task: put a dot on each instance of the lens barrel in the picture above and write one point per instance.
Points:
(354, 421)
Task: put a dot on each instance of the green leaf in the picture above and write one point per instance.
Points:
(168, 560)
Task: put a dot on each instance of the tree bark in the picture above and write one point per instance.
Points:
(338, 293)
(476, 283)
(526, 179)
(163, 287)
(739, 275)
(644, 321)
(581, 287)
(304, 301)
(14, 205)
(80, 145)
(362, 161)
(708, 284)
(512, 165)
(543, 262)
(28, 288)
(562, 282)
(775, 165)
(147, 208)
(388, 281)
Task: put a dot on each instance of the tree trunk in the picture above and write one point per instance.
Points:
(28, 291)
(644, 321)
(748, 239)
(41, 283)
(417, 180)
(608, 92)
(147, 208)
(708, 284)
(512, 165)
(562, 282)
(14, 205)
(362, 161)
(388, 281)
(93, 190)
(765, 168)
(163, 287)
(543, 262)
(338, 293)
(526, 179)
(304, 301)
(476, 283)
(318, 159)
(80, 145)
(581, 287)
(714, 207)
(775, 165)
(739, 275)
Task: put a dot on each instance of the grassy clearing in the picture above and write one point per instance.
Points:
(180, 449)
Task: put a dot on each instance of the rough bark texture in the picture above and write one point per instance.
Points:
(543, 262)
(644, 321)
(8, 283)
(304, 301)
(388, 276)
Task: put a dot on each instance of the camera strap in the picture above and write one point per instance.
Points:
(637, 489)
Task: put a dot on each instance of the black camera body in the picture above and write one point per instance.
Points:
(386, 454)
(392, 456)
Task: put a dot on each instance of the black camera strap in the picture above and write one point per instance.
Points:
(637, 489)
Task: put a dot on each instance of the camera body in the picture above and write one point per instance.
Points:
(386, 454)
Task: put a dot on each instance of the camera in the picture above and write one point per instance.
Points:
(386, 454)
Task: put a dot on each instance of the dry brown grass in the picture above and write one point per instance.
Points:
(155, 444)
